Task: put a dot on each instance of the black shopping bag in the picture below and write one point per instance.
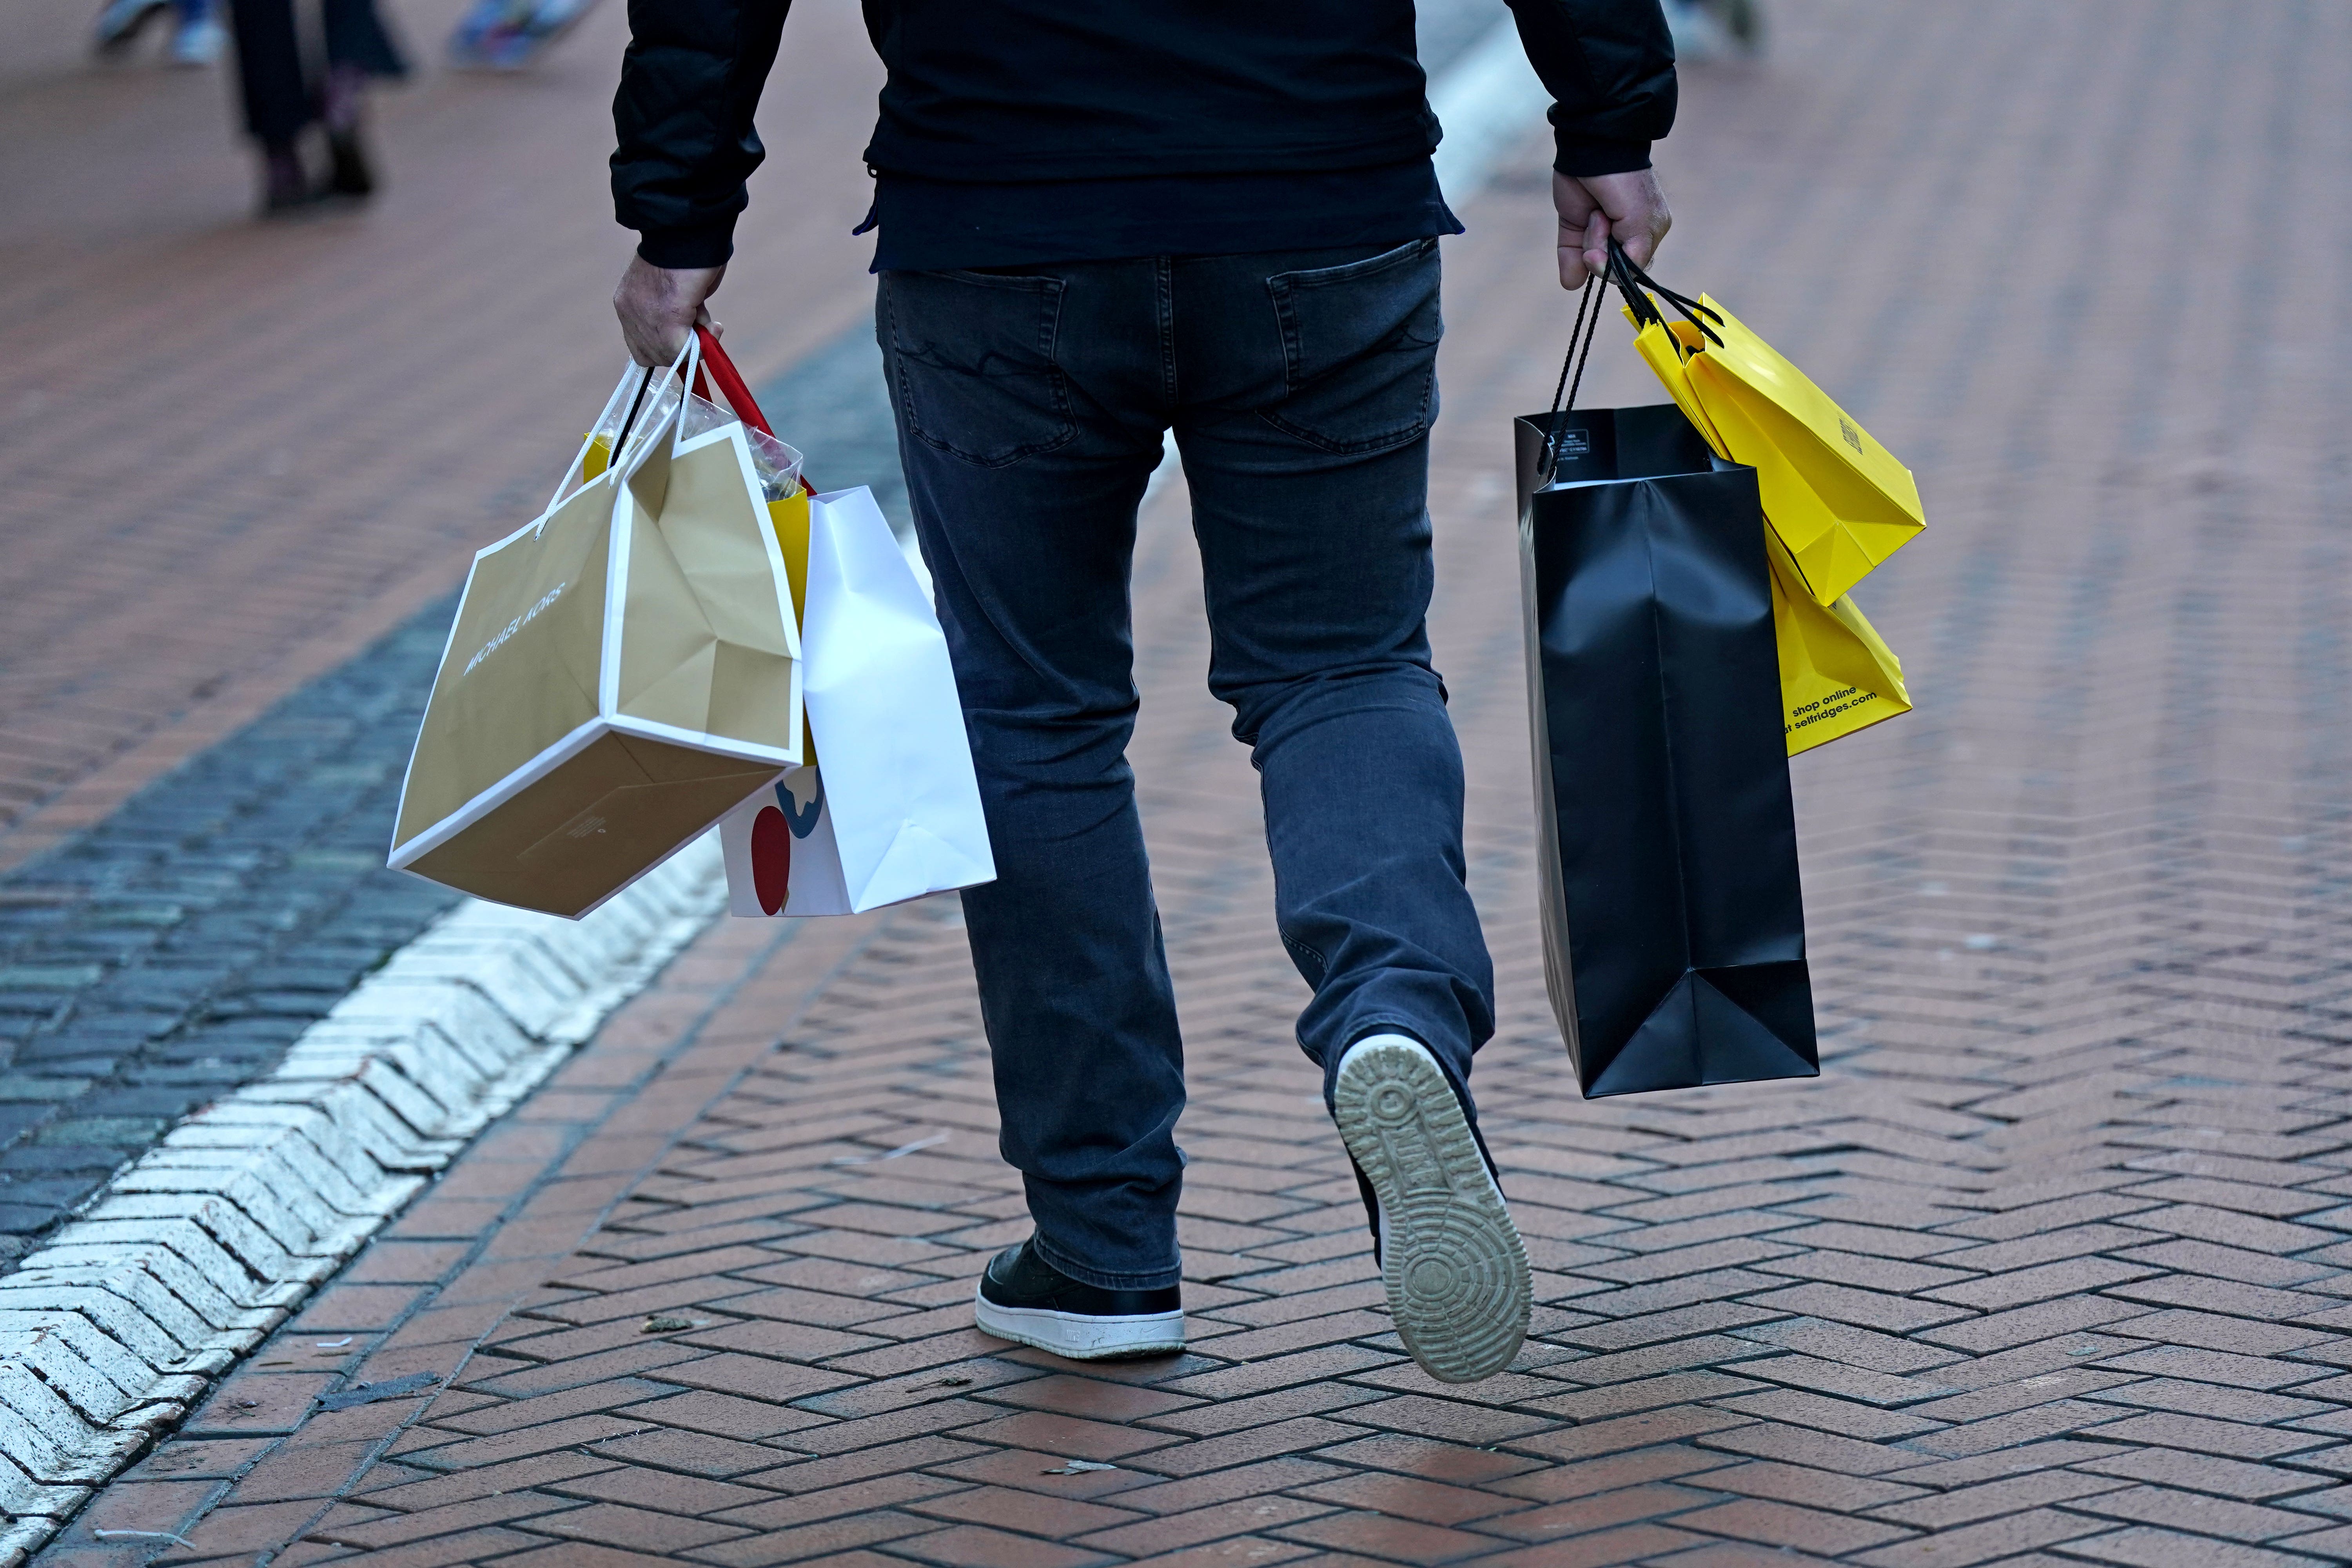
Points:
(1673, 929)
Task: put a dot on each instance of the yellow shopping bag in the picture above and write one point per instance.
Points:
(1664, 346)
(1841, 503)
(1837, 674)
(790, 518)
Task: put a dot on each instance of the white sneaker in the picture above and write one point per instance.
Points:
(1456, 1270)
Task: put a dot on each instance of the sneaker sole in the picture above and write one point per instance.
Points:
(1455, 1270)
(1079, 1337)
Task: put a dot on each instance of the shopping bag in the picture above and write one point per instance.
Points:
(1837, 674)
(1664, 346)
(1674, 925)
(621, 673)
(889, 807)
(1841, 503)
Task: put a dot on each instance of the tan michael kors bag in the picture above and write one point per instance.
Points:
(623, 673)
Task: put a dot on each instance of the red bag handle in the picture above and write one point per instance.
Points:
(730, 383)
(731, 386)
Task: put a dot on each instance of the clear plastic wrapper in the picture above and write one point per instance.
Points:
(777, 464)
(629, 409)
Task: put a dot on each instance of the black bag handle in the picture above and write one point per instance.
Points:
(1637, 286)
(620, 441)
(1583, 329)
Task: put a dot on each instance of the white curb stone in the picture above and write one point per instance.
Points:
(197, 1250)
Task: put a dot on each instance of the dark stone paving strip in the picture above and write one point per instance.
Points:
(836, 408)
(176, 949)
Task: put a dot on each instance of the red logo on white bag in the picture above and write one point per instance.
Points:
(772, 859)
(772, 832)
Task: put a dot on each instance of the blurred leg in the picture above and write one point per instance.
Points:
(358, 47)
(356, 37)
(1030, 412)
(270, 71)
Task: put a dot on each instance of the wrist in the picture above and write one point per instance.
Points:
(687, 250)
(1577, 157)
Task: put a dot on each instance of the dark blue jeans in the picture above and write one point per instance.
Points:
(1032, 405)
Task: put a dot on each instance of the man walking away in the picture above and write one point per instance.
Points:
(1098, 223)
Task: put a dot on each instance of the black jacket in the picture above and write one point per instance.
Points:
(1021, 91)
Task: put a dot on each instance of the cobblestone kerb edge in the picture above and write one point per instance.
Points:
(110, 1333)
(177, 950)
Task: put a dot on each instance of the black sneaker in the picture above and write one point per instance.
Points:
(1458, 1285)
(1027, 1299)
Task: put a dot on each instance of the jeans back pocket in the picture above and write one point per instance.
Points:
(1359, 349)
(971, 360)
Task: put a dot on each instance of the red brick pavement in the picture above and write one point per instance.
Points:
(2046, 1267)
(233, 453)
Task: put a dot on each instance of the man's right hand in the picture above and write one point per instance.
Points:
(659, 305)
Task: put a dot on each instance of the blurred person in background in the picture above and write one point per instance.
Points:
(508, 35)
(195, 33)
(282, 100)
(1715, 29)
(1097, 224)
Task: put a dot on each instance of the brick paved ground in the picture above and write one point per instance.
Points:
(2047, 1267)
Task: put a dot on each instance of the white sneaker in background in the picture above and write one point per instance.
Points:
(1715, 30)
(119, 21)
(198, 42)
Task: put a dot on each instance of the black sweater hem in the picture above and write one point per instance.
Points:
(1036, 91)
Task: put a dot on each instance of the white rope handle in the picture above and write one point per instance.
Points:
(637, 385)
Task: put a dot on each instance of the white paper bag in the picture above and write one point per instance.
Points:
(890, 809)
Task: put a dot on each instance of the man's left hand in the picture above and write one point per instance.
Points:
(1594, 208)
